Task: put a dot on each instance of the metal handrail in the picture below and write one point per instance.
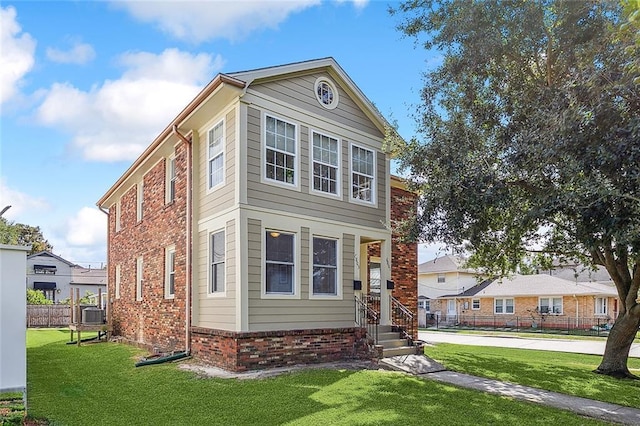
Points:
(402, 318)
(368, 318)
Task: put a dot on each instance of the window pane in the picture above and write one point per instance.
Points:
(324, 252)
(279, 247)
(324, 280)
(279, 278)
(217, 245)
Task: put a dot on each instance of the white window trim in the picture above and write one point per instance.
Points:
(550, 299)
(596, 304)
(167, 271)
(334, 89)
(374, 190)
(472, 308)
(216, 294)
(118, 216)
(339, 284)
(296, 265)
(117, 282)
(139, 277)
(338, 194)
(223, 153)
(167, 196)
(504, 306)
(140, 201)
(263, 162)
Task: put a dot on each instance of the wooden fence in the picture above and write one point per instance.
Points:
(48, 315)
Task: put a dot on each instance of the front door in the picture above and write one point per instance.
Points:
(451, 309)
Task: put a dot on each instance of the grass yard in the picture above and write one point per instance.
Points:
(98, 384)
(556, 371)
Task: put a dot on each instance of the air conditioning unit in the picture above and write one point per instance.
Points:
(92, 316)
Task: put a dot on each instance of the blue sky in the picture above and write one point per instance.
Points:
(86, 86)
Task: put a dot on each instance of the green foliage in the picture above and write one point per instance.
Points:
(110, 385)
(565, 373)
(528, 136)
(84, 300)
(23, 235)
(36, 297)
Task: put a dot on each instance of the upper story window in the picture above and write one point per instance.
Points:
(171, 180)
(280, 262)
(140, 201)
(442, 278)
(326, 158)
(326, 93)
(362, 174)
(217, 257)
(216, 155)
(44, 269)
(325, 267)
(118, 216)
(550, 305)
(280, 151)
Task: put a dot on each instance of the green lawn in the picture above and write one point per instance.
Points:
(557, 371)
(98, 384)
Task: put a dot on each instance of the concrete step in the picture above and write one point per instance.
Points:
(392, 335)
(392, 343)
(402, 350)
(384, 329)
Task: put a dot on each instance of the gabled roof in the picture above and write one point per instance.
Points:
(447, 263)
(536, 285)
(236, 84)
(51, 255)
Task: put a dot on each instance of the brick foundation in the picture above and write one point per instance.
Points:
(260, 350)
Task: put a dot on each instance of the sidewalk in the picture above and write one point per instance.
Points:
(424, 367)
(594, 347)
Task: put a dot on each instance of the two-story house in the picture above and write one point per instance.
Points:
(241, 234)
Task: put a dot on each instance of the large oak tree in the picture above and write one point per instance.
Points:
(529, 138)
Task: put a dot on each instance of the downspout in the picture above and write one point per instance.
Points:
(109, 325)
(187, 342)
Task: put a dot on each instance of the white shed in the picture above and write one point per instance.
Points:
(13, 319)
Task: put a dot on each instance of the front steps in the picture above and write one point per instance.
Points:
(392, 344)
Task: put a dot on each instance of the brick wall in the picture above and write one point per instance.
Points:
(404, 255)
(259, 350)
(155, 321)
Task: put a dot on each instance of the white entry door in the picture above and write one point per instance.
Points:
(451, 309)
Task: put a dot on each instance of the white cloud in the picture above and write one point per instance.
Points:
(118, 119)
(19, 201)
(359, 4)
(79, 53)
(16, 54)
(201, 20)
(87, 228)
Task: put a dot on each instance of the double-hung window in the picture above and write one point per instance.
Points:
(280, 151)
(171, 180)
(475, 304)
(325, 164)
(118, 281)
(362, 174)
(601, 306)
(217, 257)
(441, 278)
(139, 280)
(503, 306)
(280, 263)
(170, 272)
(216, 155)
(550, 305)
(140, 201)
(325, 267)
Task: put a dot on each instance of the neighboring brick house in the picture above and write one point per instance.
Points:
(535, 300)
(240, 233)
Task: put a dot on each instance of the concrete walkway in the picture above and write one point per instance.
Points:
(594, 347)
(422, 366)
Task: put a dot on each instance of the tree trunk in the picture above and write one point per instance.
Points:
(616, 352)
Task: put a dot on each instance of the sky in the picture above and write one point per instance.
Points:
(85, 86)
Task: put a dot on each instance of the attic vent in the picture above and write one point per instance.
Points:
(326, 93)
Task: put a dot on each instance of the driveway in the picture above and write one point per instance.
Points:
(595, 347)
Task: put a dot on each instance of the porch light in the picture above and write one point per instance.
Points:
(274, 234)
